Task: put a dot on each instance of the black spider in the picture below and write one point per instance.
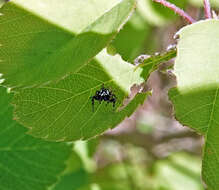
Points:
(105, 95)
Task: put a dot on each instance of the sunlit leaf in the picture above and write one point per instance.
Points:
(62, 111)
(196, 99)
(46, 39)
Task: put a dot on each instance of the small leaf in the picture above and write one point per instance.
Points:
(196, 98)
(26, 162)
(46, 39)
(62, 111)
(150, 63)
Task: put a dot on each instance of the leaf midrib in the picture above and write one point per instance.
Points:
(212, 112)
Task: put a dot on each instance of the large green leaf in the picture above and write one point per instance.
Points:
(196, 98)
(26, 162)
(46, 39)
(62, 111)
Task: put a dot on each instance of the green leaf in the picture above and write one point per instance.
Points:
(130, 41)
(62, 111)
(26, 162)
(50, 38)
(151, 63)
(73, 181)
(196, 99)
(81, 166)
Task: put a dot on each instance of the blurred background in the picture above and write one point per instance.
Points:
(150, 150)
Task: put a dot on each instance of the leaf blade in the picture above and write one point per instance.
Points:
(62, 111)
(23, 158)
(33, 45)
(196, 97)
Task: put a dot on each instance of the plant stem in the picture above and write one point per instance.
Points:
(176, 10)
(207, 7)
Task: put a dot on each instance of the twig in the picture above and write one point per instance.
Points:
(207, 7)
(176, 10)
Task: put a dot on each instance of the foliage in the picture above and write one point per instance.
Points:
(196, 96)
(55, 56)
(63, 111)
(23, 158)
(39, 42)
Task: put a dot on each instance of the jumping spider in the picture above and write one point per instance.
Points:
(105, 95)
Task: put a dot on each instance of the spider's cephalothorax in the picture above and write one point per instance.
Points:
(104, 94)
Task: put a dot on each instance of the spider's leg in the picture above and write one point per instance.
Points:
(111, 91)
(102, 86)
(114, 103)
(92, 103)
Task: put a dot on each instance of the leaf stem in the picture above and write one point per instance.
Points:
(207, 8)
(176, 10)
